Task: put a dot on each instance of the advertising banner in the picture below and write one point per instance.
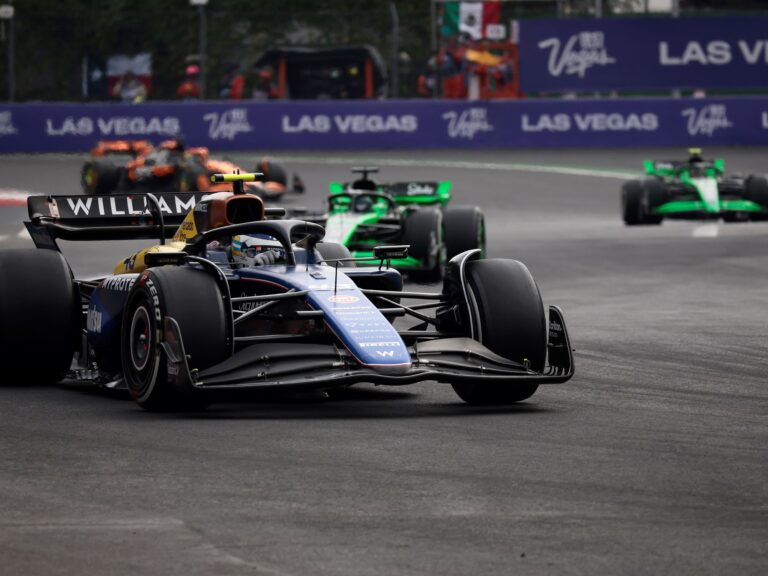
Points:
(405, 124)
(644, 53)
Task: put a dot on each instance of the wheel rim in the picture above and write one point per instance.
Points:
(140, 339)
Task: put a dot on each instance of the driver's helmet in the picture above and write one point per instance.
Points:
(695, 156)
(362, 204)
(256, 250)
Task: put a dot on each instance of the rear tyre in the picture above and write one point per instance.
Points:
(424, 232)
(756, 190)
(334, 250)
(272, 171)
(192, 298)
(193, 178)
(99, 176)
(512, 324)
(464, 230)
(39, 316)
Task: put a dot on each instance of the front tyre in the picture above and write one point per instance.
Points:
(637, 198)
(756, 190)
(464, 230)
(512, 324)
(424, 232)
(192, 298)
(335, 251)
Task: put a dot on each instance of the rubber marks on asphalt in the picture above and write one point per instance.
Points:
(14, 197)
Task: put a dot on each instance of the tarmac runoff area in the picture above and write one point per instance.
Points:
(652, 460)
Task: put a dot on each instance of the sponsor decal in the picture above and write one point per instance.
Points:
(130, 262)
(155, 300)
(94, 322)
(592, 122)
(580, 52)
(416, 188)
(714, 53)
(350, 123)
(114, 126)
(379, 344)
(467, 123)
(6, 124)
(119, 283)
(175, 204)
(385, 353)
(345, 299)
(707, 120)
(228, 124)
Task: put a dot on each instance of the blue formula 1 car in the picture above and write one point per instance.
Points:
(241, 300)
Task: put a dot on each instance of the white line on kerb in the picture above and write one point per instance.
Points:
(464, 164)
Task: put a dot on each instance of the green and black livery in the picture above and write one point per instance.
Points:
(363, 214)
(695, 189)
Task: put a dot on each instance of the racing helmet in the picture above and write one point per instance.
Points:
(363, 203)
(256, 250)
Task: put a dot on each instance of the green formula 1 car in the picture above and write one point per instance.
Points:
(363, 214)
(695, 189)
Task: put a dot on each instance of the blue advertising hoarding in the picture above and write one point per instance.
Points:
(644, 53)
(404, 124)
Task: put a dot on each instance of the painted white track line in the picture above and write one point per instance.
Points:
(706, 231)
(462, 164)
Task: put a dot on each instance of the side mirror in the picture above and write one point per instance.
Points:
(390, 252)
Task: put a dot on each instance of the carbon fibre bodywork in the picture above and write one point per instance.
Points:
(300, 322)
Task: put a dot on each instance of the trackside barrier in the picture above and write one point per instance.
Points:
(661, 53)
(393, 124)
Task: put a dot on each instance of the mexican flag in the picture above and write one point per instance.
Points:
(469, 18)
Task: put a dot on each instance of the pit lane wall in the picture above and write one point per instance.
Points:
(395, 124)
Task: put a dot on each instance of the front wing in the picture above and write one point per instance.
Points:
(450, 360)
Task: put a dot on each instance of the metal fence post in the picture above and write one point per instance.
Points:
(395, 68)
(7, 14)
(202, 46)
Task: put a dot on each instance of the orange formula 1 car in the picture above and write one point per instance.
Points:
(137, 166)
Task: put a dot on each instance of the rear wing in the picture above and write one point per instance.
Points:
(673, 167)
(110, 217)
(408, 192)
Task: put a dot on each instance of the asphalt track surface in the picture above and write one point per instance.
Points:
(652, 460)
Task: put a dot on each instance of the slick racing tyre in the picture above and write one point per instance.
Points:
(512, 324)
(100, 176)
(424, 233)
(272, 171)
(193, 178)
(464, 230)
(637, 198)
(756, 190)
(39, 316)
(192, 298)
(334, 250)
